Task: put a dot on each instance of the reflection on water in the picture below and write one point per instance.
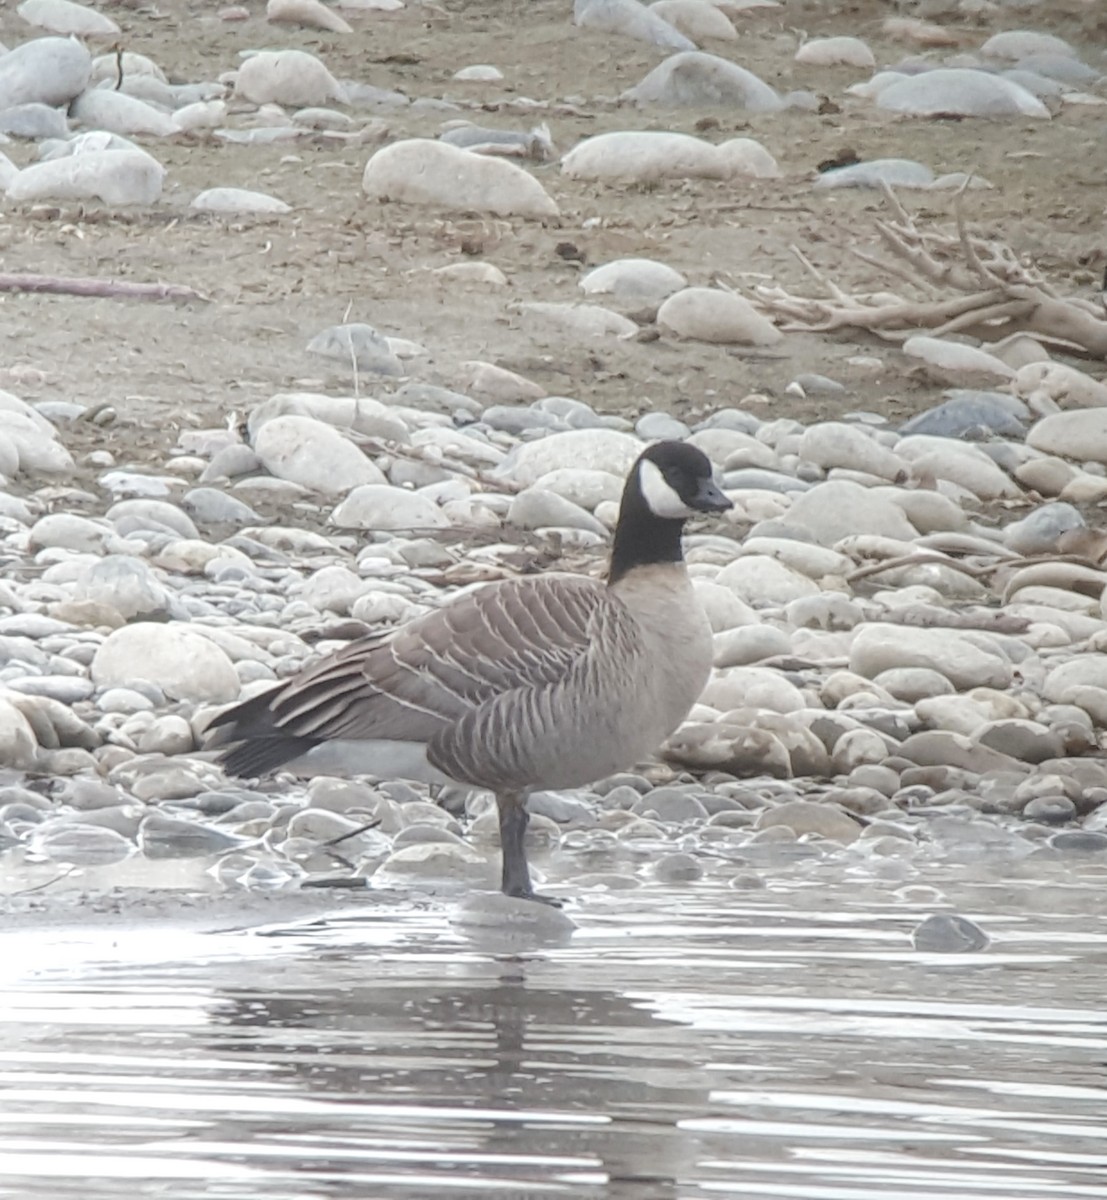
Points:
(685, 1044)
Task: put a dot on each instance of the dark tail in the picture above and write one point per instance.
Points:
(256, 744)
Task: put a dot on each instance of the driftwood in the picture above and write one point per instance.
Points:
(109, 289)
(995, 295)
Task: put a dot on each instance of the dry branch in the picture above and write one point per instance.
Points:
(110, 289)
(996, 295)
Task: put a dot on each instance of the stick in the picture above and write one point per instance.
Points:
(111, 289)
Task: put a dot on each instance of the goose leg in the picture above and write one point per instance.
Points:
(514, 819)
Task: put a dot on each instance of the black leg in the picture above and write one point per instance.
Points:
(513, 827)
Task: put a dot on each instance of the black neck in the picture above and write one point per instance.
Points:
(642, 537)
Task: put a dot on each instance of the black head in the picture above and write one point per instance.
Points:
(670, 482)
(676, 481)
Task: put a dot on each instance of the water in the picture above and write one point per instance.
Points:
(688, 1043)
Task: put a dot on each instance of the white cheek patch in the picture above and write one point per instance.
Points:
(660, 498)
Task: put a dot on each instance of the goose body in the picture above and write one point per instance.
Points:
(539, 682)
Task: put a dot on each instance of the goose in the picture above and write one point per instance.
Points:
(547, 681)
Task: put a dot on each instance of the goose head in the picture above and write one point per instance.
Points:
(669, 482)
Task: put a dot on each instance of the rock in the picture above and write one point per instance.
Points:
(752, 687)
(669, 804)
(534, 508)
(313, 454)
(29, 442)
(582, 449)
(1050, 810)
(959, 92)
(70, 532)
(78, 844)
(435, 862)
(107, 66)
(358, 343)
(695, 80)
(978, 415)
(911, 684)
(1064, 385)
(644, 156)
(677, 868)
(162, 837)
(309, 14)
(1016, 44)
(631, 19)
(202, 116)
(877, 648)
(956, 359)
(1079, 841)
(1080, 434)
(237, 200)
(117, 177)
(380, 506)
(49, 70)
(18, 746)
(126, 585)
(66, 17)
(479, 73)
(214, 507)
(698, 20)
(586, 488)
(835, 52)
(291, 77)
(840, 508)
(759, 579)
(946, 933)
(835, 444)
(420, 171)
(895, 172)
(1040, 532)
(750, 644)
(712, 315)
(34, 122)
(586, 321)
(184, 664)
(116, 112)
(805, 817)
(492, 914)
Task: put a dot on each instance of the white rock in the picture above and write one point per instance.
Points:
(313, 454)
(116, 177)
(761, 580)
(310, 14)
(582, 321)
(752, 687)
(957, 358)
(1080, 434)
(472, 272)
(204, 114)
(497, 385)
(535, 508)
(877, 648)
(582, 486)
(71, 532)
(479, 73)
(421, 171)
(66, 17)
(587, 449)
(1015, 44)
(18, 745)
(836, 444)
(896, 172)
(8, 172)
(835, 52)
(744, 157)
(631, 19)
(698, 20)
(957, 462)
(360, 343)
(712, 315)
(238, 200)
(838, 508)
(749, 644)
(50, 70)
(696, 80)
(956, 91)
(1066, 386)
(635, 282)
(106, 66)
(125, 584)
(185, 665)
(380, 506)
(116, 112)
(291, 77)
(644, 156)
(35, 448)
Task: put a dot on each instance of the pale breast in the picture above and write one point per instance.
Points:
(676, 638)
